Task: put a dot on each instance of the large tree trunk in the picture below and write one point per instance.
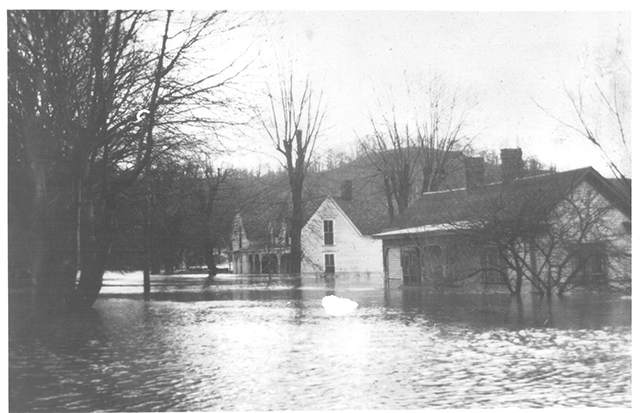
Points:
(53, 260)
(428, 176)
(146, 251)
(518, 286)
(388, 192)
(209, 258)
(53, 267)
(296, 229)
(97, 237)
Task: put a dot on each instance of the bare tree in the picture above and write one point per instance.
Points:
(209, 182)
(92, 104)
(501, 221)
(601, 109)
(441, 131)
(424, 139)
(581, 244)
(296, 114)
(391, 151)
(558, 234)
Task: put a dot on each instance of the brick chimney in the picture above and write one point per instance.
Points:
(474, 171)
(346, 191)
(512, 165)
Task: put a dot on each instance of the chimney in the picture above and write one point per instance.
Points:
(346, 192)
(511, 164)
(474, 171)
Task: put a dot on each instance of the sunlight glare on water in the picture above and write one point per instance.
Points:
(337, 305)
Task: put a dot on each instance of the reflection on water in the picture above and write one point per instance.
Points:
(242, 343)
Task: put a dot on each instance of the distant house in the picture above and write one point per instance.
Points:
(555, 232)
(260, 243)
(336, 237)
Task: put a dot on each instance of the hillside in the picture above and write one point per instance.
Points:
(266, 198)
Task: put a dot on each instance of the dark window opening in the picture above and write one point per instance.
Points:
(491, 268)
(589, 263)
(329, 263)
(269, 263)
(328, 232)
(256, 264)
(411, 268)
(434, 251)
(285, 264)
(435, 261)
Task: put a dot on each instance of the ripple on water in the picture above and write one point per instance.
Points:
(270, 351)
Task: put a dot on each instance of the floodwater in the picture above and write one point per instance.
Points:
(243, 343)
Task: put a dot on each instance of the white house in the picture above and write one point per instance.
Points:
(337, 238)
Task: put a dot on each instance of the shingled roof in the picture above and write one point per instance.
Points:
(257, 216)
(436, 210)
(270, 207)
(368, 215)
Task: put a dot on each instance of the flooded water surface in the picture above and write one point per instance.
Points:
(241, 343)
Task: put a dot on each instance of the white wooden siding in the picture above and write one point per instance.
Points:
(353, 252)
(609, 227)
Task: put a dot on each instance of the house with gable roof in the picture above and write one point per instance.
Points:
(260, 243)
(337, 236)
(554, 232)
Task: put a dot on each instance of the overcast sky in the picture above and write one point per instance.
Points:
(509, 59)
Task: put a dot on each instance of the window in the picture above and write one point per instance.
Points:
(589, 261)
(434, 261)
(328, 232)
(411, 265)
(434, 251)
(285, 264)
(239, 239)
(329, 264)
(626, 225)
(491, 273)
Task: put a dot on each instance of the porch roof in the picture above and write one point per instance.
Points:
(423, 229)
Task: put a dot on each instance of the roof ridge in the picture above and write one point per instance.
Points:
(437, 207)
(586, 168)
